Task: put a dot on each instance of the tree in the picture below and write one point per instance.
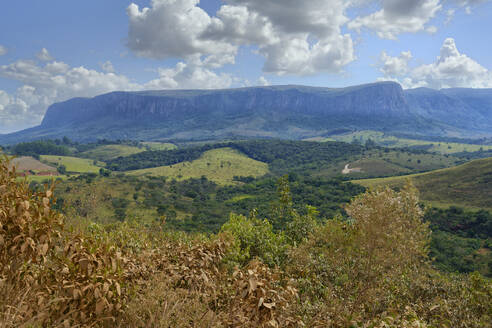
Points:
(62, 169)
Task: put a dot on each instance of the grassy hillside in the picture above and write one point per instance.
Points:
(379, 162)
(218, 165)
(468, 185)
(107, 152)
(72, 164)
(159, 146)
(27, 163)
(382, 139)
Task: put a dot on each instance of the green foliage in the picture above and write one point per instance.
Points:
(219, 165)
(464, 223)
(254, 238)
(41, 147)
(281, 155)
(108, 152)
(467, 185)
(72, 164)
(354, 267)
(62, 169)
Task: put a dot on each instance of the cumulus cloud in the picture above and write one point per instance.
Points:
(397, 17)
(107, 67)
(295, 37)
(263, 81)
(3, 50)
(172, 29)
(44, 55)
(190, 75)
(451, 69)
(395, 66)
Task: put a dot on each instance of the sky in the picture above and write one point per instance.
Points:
(51, 51)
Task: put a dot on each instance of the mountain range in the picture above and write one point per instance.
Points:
(291, 112)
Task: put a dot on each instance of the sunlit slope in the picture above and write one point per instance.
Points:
(159, 145)
(468, 185)
(107, 152)
(218, 165)
(72, 164)
(385, 140)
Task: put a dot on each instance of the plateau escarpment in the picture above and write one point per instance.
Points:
(291, 112)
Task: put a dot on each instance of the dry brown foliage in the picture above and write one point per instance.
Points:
(372, 272)
(49, 276)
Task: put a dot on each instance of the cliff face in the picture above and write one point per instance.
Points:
(278, 111)
(375, 99)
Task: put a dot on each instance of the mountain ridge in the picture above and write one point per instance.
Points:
(285, 111)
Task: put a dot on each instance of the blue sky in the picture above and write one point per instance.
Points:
(52, 51)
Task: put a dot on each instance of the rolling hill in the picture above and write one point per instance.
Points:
(219, 165)
(468, 185)
(292, 112)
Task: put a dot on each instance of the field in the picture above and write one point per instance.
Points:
(159, 145)
(73, 164)
(468, 185)
(26, 163)
(390, 141)
(107, 152)
(218, 165)
(384, 163)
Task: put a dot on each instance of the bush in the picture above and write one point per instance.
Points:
(254, 238)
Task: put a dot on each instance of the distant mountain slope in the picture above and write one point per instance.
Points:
(291, 112)
(468, 185)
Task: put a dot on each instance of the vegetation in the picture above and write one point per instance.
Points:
(29, 164)
(219, 165)
(382, 139)
(193, 204)
(468, 185)
(36, 148)
(72, 164)
(462, 240)
(159, 145)
(108, 152)
(368, 270)
(325, 159)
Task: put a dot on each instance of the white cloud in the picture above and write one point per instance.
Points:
(190, 75)
(295, 37)
(450, 15)
(107, 67)
(263, 81)
(172, 29)
(451, 69)
(3, 50)
(397, 17)
(44, 55)
(394, 66)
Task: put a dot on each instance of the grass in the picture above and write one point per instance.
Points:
(159, 146)
(107, 152)
(382, 163)
(468, 185)
(218, 165)
(73, 164)
(26, 163)
(390, 141)
(44, 179)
